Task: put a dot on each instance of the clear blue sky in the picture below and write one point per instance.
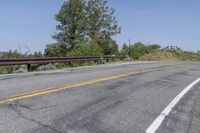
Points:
(166, 22)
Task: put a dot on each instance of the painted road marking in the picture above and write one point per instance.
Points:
(158, 121)
(88, 82)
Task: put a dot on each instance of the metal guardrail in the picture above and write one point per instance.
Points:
(47, 60)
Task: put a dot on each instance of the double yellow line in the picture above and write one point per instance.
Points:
(83, 83)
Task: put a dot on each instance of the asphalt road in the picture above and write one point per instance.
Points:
(126, 103)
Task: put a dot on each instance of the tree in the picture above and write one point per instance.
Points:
(38, 54)
(109, 46)
(54, 50)
(12, 54)
(71, 29)
(101, 23)
(82, 21)
(137, 50)
(87, 49)
(154, 47)
(124, 47)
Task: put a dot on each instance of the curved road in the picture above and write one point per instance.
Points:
(114, 98)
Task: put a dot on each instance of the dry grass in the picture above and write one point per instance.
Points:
(160, 56)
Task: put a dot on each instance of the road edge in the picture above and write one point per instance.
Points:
(159, 120)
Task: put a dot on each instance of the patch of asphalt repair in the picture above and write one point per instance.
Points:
(15, 108)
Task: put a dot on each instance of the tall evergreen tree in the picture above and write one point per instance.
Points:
(85, 20)
(71, 29)
(101, 23)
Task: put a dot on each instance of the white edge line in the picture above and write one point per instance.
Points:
(158, 121)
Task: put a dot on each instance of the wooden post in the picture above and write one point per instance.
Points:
(29, 67)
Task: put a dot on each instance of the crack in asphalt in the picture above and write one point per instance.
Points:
(34, 109)
(15, 106)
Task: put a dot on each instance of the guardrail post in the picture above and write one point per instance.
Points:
(101, 60)
(29, 67)
(70, 63)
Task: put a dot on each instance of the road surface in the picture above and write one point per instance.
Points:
(114, 98)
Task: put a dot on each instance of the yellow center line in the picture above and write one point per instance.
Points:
(83, 83)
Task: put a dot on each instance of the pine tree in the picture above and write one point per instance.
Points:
(71, 29)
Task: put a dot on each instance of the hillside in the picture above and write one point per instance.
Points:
(171, 55)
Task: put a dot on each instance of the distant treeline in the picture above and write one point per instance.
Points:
(19, 54)
(135, 51)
